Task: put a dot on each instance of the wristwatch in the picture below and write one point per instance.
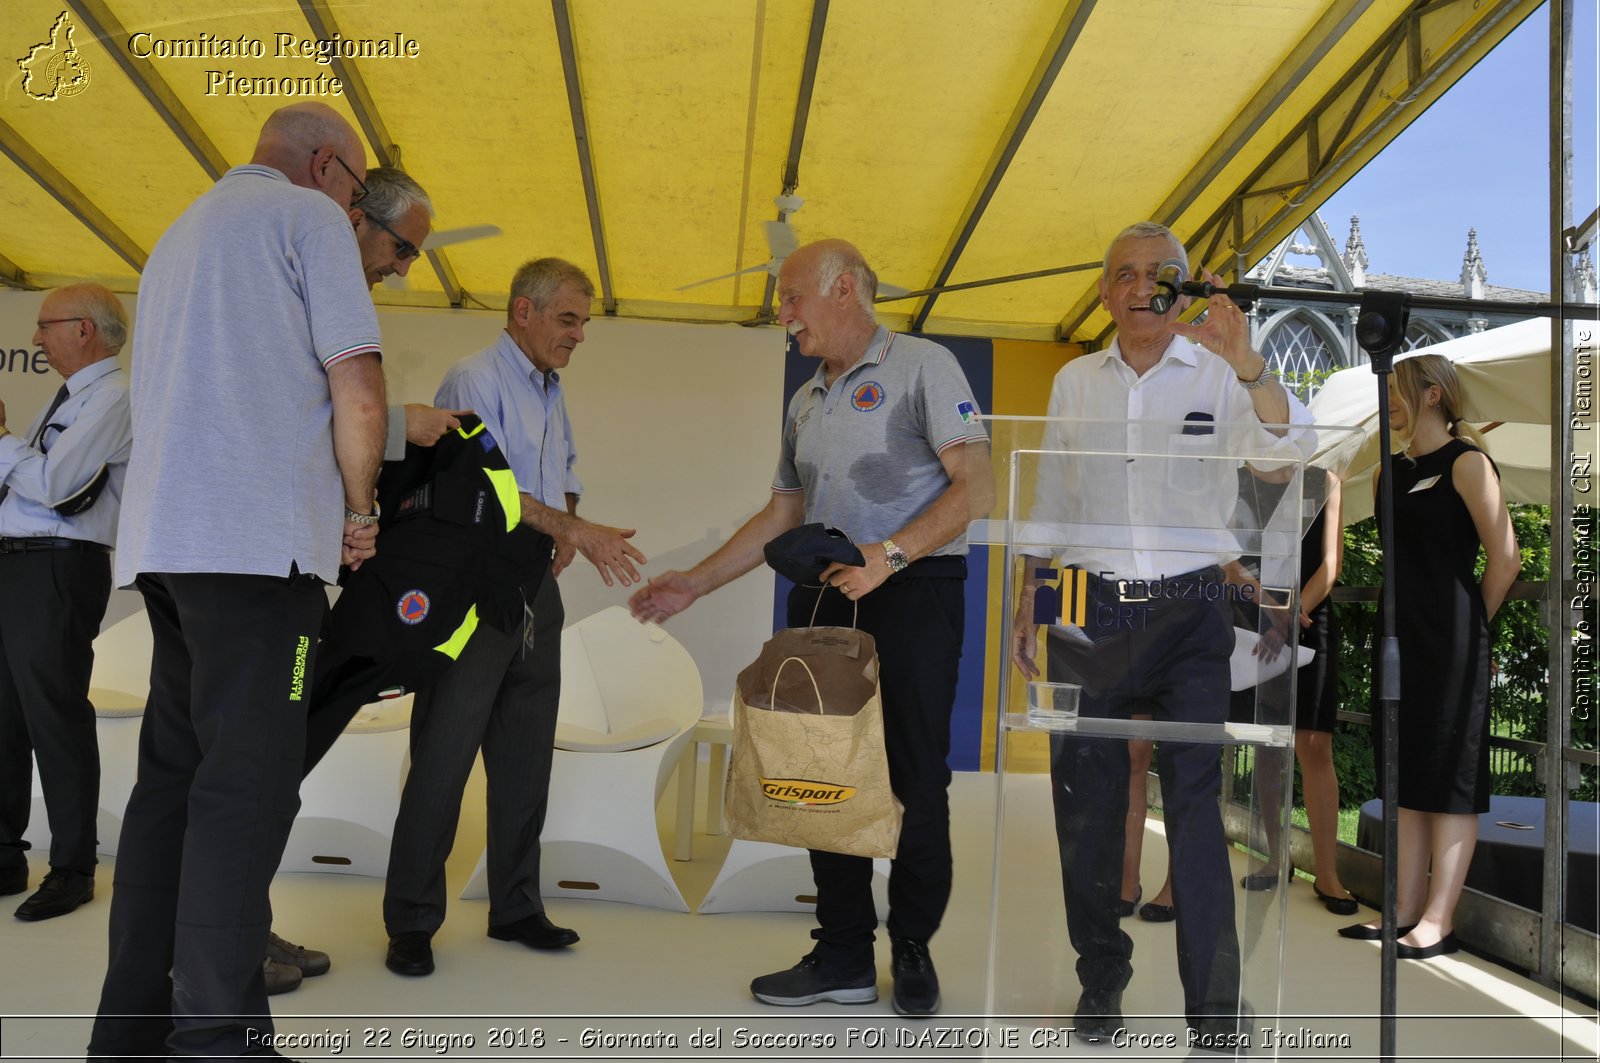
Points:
(364, 519)
(895, 556)
(1261, 377)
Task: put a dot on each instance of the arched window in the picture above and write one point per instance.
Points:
(1423, 334)
(1297, 346)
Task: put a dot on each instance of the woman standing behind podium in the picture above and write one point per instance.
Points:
(1447, 502)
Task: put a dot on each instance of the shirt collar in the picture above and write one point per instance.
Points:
(520, 363)
(877, 351)
(1178, 350)
(90, 373)
(256, 169)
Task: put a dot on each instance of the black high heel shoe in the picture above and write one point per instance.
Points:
(1443, 947)
(1363, 932)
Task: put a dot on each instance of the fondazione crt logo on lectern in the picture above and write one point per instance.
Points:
(54, 69)
(806, 792)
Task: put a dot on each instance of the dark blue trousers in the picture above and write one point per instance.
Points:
(1167, 658)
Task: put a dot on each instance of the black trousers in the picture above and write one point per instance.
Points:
(918, 625)
(51, 605)
(501, 696)
(1168, 658)
(218, 788)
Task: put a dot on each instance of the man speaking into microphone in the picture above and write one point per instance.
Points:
(1203, 381)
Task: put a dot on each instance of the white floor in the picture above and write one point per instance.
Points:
(650, 984)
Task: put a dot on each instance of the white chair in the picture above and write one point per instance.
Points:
(349, 801)
(762, 877)
(630, 695)
(119, 686)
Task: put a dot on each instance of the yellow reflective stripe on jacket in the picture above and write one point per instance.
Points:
(452, 646)
(464, 434)
(505, 487)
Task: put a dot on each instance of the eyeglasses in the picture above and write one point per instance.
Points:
(361, 186)
(56, 321)
(404, 249)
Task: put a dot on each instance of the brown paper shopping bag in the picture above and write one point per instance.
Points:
(808, 766)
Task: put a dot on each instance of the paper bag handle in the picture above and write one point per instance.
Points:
(855, 615)
(809, 674)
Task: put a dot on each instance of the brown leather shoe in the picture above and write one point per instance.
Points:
(310, 962)
(280, 977)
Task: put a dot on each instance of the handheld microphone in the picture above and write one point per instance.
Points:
(1169, 280)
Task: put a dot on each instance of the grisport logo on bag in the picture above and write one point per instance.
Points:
(806, 792)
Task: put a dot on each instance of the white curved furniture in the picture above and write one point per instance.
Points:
(630, 695)
(762, 877)
(349, 801)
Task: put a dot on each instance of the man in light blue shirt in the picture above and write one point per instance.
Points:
(502, 692)
(60, 492)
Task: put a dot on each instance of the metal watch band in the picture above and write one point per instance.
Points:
(895, 556)
(1260, 380)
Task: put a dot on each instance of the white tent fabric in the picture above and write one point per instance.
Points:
(1506, 375)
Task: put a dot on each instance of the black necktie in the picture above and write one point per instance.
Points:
(36, 442)
(38, 437)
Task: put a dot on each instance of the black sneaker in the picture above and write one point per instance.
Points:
(1098, 1015)
(807, 982)
(916, 986)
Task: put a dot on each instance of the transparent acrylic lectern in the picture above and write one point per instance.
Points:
(1151, 579)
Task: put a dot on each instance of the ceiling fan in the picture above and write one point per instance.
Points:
(781, 242)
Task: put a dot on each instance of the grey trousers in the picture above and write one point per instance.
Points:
(502, 696)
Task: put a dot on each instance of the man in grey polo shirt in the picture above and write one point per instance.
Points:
(876, 444)
(258, 420)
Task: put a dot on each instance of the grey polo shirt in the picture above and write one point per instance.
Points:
(246, 301)
(866, 450)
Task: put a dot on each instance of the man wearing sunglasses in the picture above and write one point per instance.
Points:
(392, 219)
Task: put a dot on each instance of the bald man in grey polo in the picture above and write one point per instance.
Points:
(872, 441)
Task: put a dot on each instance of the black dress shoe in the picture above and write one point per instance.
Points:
(1363, 932)
(1152, 912)
(14, 880)
(410, 953)
(536, 932)
(1098, 1015)
(1443, 947)
(1336, 905)
(62, 891)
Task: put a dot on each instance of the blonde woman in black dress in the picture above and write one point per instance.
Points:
(1447, 502)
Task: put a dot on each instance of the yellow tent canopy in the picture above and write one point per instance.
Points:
(952, 140)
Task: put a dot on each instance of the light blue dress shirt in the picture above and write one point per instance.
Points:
(91, 429)
(526, 412)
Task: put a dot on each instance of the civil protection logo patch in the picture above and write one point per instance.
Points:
(412, 608)
(867, 397)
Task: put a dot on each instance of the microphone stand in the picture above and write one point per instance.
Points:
(1380, 330)
(1246, 295)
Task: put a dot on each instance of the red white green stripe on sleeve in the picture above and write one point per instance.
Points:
(351, 352)
(979, 438)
